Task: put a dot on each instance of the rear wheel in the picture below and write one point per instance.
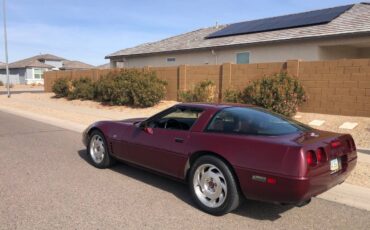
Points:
(213, 186)
(97, 150)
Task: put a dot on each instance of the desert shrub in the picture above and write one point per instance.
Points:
(105, 88)
(231, 95)
(1, 83)
(279, 93)
(130, 87)
(61, 87)
(82, 88)
(204, 91)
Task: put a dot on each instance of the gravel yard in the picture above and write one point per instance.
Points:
(86, 112)
(361, 133)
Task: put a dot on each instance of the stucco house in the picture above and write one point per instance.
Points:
(333, 33)
(30, 70)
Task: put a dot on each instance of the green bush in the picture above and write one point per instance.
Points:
(61, 87)
(231, 96)
(82, 88)
(1, 83)
(105, 88)
(204, 91)
(279, 93)
(130, 87)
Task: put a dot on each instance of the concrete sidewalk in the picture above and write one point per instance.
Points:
(348, 194)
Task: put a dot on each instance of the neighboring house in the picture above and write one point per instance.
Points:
(73, 65)
(30, 70)
(104, 66)
(334, 33)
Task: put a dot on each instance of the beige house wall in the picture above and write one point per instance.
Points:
(313, 50)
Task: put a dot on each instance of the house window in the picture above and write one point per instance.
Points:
(171, 59)
(38, 73)
(242, 58)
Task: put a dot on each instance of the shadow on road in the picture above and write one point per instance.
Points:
(252, 209)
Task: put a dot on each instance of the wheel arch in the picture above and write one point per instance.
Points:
(95, 128)
(194, 156)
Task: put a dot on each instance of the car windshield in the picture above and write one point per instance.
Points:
(253, 121)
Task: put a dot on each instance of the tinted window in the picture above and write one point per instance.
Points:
(253, 121)
(179, 118)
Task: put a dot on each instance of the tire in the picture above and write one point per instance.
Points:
(213, 186)
(99, 154)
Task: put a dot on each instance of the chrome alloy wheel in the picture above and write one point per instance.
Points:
(97, 150)
(210, 185)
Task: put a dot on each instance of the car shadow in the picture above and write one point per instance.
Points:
(252, 209)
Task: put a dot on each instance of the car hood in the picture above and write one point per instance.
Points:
(133, 120)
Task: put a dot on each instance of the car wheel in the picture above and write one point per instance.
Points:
(97, 150)
(213, 186)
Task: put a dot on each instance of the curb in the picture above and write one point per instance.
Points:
(72, 126)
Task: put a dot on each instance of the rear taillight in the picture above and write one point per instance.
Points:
(335, 144)
(311, 158)
(320, 155)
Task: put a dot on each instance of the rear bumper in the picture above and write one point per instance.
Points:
(290, 190)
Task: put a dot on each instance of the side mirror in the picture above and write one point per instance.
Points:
(148, 130)
(145, 128)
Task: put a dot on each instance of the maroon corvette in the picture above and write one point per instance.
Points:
(227, 152)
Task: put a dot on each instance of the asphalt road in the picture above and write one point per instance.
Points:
(46, 183)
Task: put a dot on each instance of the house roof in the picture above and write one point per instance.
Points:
(356, 20)
(69, 65)
(35, 61)
(104, 66)
(49, 57)
(38, 61)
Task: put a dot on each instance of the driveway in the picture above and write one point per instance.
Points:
(46, 183)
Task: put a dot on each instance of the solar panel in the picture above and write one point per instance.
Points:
(310, 18)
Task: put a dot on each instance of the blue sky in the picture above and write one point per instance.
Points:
(89, 30)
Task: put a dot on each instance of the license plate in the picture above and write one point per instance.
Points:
(335, 165)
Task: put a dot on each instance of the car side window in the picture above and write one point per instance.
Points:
(179, 119)
(252, 121)
(223, 122)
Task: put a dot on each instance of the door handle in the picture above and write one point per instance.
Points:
(179, 140)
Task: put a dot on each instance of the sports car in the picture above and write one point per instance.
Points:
(226, 153)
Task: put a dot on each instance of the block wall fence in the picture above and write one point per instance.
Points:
(334, 87)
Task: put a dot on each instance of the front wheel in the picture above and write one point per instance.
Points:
(97, 150)
(213, 186)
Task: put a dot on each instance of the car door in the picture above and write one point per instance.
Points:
(161, 143)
